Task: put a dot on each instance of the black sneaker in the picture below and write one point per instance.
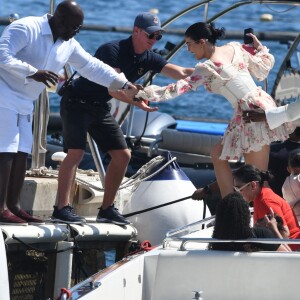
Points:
(111, 215)
(66, 215)
(56, 209)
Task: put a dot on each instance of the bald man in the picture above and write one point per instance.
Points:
(32, 52)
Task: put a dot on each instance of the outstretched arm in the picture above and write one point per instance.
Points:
(156, 93)
(176, 72)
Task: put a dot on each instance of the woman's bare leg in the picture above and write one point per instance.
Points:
(222, 171)
(259, 159)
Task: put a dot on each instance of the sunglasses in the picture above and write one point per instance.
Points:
(238, 189)
(153, 35)
(77, 28)
(188, 44)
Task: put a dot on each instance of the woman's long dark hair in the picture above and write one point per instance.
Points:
(232, 223)
(248, 173)
(201, 30)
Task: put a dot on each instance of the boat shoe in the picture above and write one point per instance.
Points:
(27, 217)
(8, 218)
(111, 215)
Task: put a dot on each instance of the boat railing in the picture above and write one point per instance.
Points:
(287, 82)
(191, 234)
(184, 241)
(187, 229)
(199, 225)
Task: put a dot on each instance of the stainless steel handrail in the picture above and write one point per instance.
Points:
(185, 240)
(189, 227)
(97, 159)
(40, 121)
(40, 117)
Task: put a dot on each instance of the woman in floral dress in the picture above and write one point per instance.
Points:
(228, 71)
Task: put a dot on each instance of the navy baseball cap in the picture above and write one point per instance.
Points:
(148, 22)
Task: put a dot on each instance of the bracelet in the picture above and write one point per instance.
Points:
(207, 190)
(125, 86)
(135, 99)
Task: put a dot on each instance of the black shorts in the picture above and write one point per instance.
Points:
(78, 119)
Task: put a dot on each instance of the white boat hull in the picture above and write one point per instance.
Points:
(171, 274)
(4, 285)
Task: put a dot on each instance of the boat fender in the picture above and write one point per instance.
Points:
(266, 17)
(58, 156)
(64, 292)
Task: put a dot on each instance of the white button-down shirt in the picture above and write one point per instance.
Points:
(27, 46)
(282, 114)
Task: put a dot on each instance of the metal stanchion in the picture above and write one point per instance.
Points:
(41, 117)
(97, 159)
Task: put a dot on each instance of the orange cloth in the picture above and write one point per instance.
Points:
(266, 199)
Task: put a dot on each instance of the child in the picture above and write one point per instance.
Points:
(275, 223)
(291, 186)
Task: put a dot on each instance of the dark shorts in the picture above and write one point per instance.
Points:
(78, 119)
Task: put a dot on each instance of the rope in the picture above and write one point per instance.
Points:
(134, 180)
(137, 178)
(77, 257)
(137, 181)
(46, 251)
(76, 252)
(145, 246)
(155, 207)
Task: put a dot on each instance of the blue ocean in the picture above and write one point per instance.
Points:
(199, 104)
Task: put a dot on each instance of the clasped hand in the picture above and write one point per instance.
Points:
(257, 115)
(141, 103)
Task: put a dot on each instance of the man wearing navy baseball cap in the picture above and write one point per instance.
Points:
(148, 21)
(84, 108)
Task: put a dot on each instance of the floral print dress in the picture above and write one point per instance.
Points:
(233, 81)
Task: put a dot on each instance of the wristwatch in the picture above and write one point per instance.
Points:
(207, 190)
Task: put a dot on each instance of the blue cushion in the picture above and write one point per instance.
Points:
(201, 127)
